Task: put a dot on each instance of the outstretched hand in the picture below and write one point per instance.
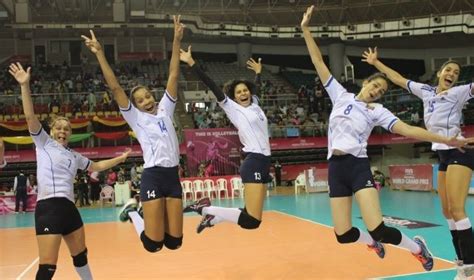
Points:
(255, 66)
(461, 143)
(126, 153)
(307, 17)
(20, 75)
(91, 43)
(178, 27)
(186, 56)
(370, 56)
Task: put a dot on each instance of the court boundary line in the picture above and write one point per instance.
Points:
(386, 277)
(27, 268)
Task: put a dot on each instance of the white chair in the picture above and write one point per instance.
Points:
(107, 193)
(187, 189)
(210, 188)
(236, 184)
(222, 187)
(198, 187)
(300, 181)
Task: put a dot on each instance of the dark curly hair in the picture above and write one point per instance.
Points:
(229, 87)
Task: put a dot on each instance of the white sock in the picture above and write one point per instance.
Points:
(137, 222)
(409, 244)
(84, 272)
(463, 224)
(451, 224)
(226, 214)
(365, 238)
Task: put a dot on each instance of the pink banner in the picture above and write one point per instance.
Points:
(7, 203)
(212, 151)
(412, 177)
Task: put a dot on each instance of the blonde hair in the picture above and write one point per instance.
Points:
(54, 119)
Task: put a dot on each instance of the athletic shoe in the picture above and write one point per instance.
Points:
(425, 256)
(198, 205)
(465, 272)
(205, 223)
(130, 206)
(378, 248)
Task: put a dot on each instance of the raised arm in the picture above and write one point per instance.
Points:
(109, 163)
(95, 47)
(257, 68)
(172, 85)
(23, 78)
(371, 57)
(186, 57)
(422, 134)
(314, 52)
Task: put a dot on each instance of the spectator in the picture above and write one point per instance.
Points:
(20, 188)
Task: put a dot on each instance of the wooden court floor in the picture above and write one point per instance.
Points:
(284, 247)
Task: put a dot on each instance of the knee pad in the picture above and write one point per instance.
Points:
(349, 236)
(385, 234)
(248, 222)
(80, 259)
(172, 243)
(45, 271)
(150, 245)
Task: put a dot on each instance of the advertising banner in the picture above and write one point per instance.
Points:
(412, 177)
(212, 152)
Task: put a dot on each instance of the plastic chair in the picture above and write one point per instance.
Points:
(210, 188)
(198, 187)
(300, 181)
(236, 184)
(187, 189)
(222, 187)
(107, 193)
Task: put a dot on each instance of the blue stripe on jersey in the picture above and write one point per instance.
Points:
(470, 90)
(128, 108)
(37, 133)
(169, 97)
(408, 86)
(88, 164)
(225, 100)
(449, 115)
(391, 124)
(329, 81)
(148, 138)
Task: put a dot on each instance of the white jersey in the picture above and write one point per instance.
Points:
(56, 167)
(351, 121)
(442, 112)
(155, 133)
(251, 123)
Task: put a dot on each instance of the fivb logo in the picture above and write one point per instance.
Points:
(409, 171)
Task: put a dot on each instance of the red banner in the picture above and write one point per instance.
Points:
(212, 151)
(412, 177)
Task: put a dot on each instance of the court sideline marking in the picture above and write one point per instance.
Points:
(27, 269)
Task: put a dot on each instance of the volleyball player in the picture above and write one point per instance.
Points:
(56, 216)
(443, 106)
(240, 103)
(351, 121)
(160, 188)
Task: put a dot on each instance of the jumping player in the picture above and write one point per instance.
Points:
(351, 121)
(160, 188)
(443, 106)
(56, 216)
(240, 104)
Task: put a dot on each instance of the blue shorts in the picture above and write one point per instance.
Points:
(158, 182)
(255, 169)
(454, 156)
(348, 174)
(57, 215)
